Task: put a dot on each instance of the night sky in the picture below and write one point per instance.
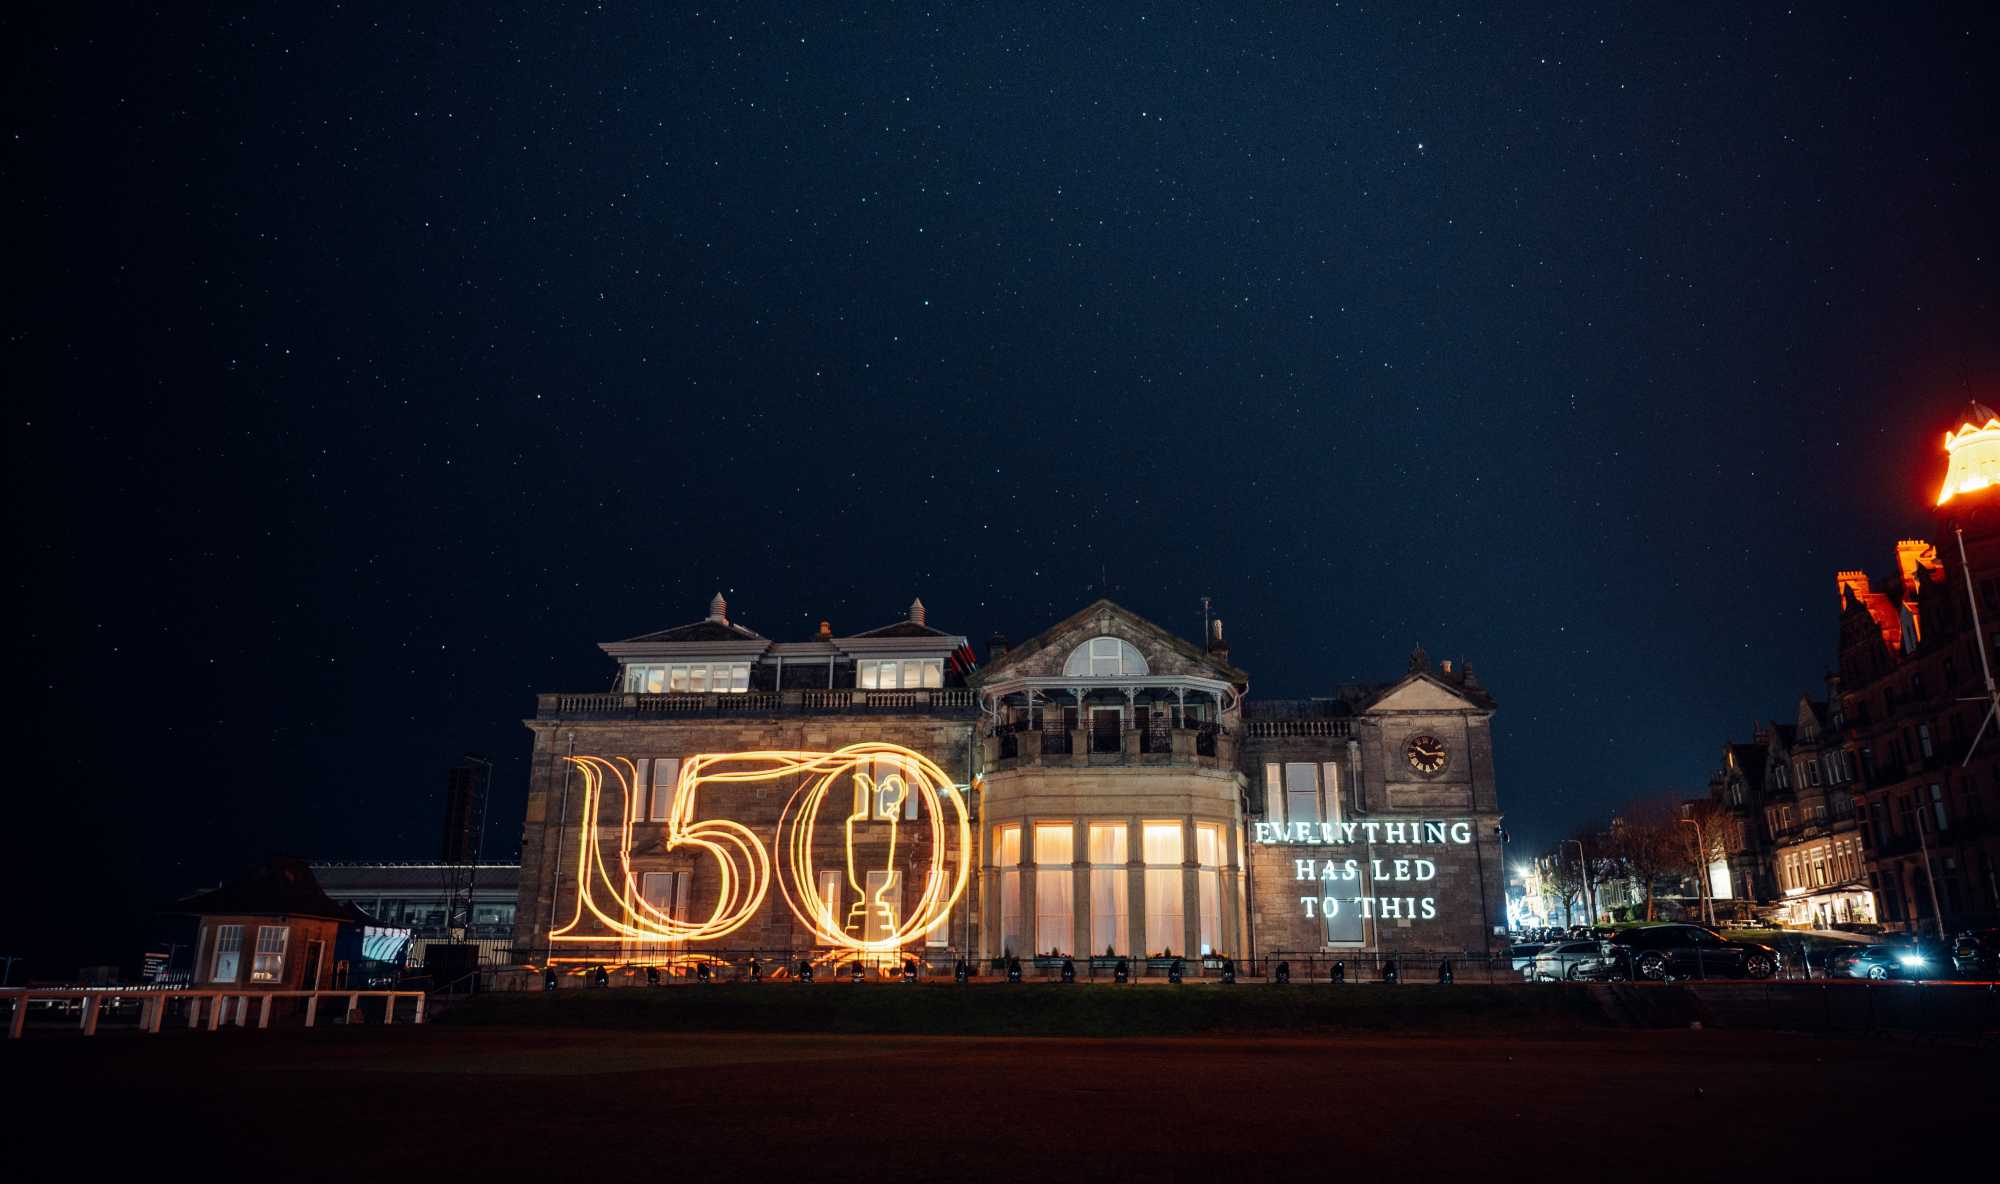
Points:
(366, 369)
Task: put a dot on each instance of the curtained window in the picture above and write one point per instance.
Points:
(1166, 911)
(1208, 854)
(1055, 886)
(1110, 924)
(1007, 845)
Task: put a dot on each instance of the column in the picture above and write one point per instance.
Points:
(1190, 890)
(1135, 887)
(1080, 937)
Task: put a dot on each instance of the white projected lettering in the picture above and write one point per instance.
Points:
(1344, 885)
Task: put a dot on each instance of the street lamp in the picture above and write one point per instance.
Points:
(1589, 908)
(1707, 902)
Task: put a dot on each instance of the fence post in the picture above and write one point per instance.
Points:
(20, 1019)
(388, 1008)
(420, 1009)
(216, 1003)
(263, 1012)
(312, 1008)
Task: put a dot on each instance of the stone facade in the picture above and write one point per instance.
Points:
(1122, 794)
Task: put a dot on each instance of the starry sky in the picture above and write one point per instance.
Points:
(368, 367)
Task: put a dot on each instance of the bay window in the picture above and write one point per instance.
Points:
(1166, 911)
(1054, 886)
(1110, 923)
(1007, 856)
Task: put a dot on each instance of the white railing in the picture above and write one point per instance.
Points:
(153, 1005)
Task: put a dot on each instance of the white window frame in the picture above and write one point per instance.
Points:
(228, 941)
(267, 964)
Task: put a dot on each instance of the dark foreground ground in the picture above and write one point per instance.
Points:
(447, 1102)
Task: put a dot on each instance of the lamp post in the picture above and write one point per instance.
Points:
(1705, 902)
(1589, 908)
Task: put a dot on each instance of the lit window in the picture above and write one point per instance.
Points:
(269, 966)
(1104, 657)
(1208, 853)
(1054, 886)
(1007, 848)
(1110, 927)
(1166, 911)
(228, 954)
(682, 679)
(899, 673)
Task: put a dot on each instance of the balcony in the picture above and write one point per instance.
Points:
(951, 701)
(1207, 747)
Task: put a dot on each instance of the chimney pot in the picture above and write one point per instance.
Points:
(917, 611)
(718, 609)
(826, 630)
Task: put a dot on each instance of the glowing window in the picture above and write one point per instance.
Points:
(269, 966)
(1166, 911)
(1208, 852)
(1104, 657)
(1007, 846)
(1055, 886)
(685, 678)
(891, 674)
(666, 777)
(1110, 926)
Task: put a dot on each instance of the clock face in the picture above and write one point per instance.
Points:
(1426, 755)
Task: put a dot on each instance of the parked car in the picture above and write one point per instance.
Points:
(1569, 961)
(1662, 952)
(1897, 959)
(1976, 954)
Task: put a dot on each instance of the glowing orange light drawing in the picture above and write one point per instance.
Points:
(745, 871)
(744, 867)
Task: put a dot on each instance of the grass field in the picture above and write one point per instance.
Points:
(1034, 1009)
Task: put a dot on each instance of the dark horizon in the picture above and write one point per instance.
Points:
(372, 370)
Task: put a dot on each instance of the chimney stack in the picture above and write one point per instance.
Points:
(826, 630)
(917, 611)
(996, 647)
(718, 610)
(1216, 645)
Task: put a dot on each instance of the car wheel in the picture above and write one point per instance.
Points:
(1878, 972)
(1574, 974)
(1760, 966)
(1652, 968)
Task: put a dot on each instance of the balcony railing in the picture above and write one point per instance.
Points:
(615, 705)
(1209, 747)
(1258, 729)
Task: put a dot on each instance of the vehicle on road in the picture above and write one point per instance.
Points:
(1893, 959)
(1976, 954)
(1660, 953)
(1569, 961)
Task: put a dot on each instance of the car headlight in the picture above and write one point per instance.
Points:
(1910, 959)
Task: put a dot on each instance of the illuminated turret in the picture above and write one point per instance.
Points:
(1974, 450)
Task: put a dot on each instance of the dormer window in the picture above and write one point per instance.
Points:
(687, 678)
(889, 674)
(1105, 657)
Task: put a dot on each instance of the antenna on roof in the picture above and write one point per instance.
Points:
(1205, 602)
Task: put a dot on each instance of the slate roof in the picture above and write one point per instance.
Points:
(280, 887)
(699, 631)
(906, 629)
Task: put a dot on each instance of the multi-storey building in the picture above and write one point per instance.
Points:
(1102, 787)
(1913, 687)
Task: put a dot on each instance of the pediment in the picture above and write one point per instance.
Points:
(1044, 654)
(1421, 692)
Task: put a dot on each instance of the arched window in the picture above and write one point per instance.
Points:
(1104, 657)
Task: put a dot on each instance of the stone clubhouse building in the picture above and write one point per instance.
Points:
(1105, 789)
